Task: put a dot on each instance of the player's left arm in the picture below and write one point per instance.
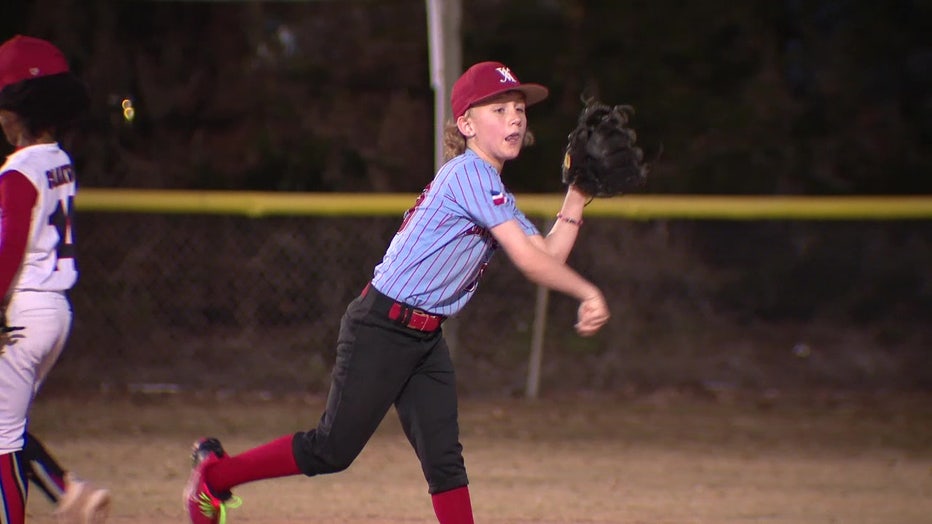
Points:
(540, 267)
(17, 198)
(562, 236)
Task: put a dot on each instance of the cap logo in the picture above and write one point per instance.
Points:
(34, 71)
(506, 75)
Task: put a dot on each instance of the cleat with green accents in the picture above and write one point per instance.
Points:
(203, 505)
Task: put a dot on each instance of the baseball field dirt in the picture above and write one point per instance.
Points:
(658, 457)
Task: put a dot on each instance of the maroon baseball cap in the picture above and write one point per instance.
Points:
(487, 79)
(25, 57)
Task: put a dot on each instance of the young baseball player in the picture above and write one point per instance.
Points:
(391, 350)
(39, 97)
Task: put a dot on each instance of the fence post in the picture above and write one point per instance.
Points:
(538, 328)
(537, 343)
(451, 334)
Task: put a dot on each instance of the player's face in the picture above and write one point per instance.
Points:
(14, 128)
(9, 121)
(498, 128)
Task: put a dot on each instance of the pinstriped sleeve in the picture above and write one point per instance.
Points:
(479, 190)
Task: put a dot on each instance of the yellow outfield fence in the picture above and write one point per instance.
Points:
(255, 283)
(635, 207)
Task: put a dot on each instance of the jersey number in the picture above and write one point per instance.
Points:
(63, 220)
(410, 212)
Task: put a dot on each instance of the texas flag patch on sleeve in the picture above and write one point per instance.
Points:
(499, 198)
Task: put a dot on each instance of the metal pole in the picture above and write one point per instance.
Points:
(435, 45)
(532, 389)
(445, 48)
(537, 343)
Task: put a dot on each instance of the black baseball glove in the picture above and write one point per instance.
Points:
(601, 157)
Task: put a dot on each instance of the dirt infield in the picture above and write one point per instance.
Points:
(658, 458)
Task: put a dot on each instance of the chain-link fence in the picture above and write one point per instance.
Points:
(215, 302)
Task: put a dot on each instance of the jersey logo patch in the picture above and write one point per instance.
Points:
(499, 198)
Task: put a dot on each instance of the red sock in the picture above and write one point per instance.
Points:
(12, 489)
(453, 507)
(267, 461)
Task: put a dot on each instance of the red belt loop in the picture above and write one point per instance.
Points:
(394, 313)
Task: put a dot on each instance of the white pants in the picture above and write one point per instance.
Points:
(27, 356)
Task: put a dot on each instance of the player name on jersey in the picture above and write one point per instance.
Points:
(60, 175)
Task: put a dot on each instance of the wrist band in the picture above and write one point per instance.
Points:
(575, 221)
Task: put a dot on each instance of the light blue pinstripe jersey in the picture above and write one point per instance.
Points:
(435, 260)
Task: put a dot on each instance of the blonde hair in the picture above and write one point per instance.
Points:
(454, 142)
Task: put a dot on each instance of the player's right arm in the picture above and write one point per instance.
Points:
(542, 268)
(17, 198)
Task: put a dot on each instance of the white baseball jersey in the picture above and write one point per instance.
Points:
(37, 304)
(48, 263)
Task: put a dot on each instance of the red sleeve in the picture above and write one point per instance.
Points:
(17, 198)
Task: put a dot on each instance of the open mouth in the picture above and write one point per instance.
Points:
(513, 138)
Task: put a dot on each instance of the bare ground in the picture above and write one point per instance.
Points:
(654, 458)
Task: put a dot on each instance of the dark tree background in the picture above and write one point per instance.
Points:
(773, 97)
